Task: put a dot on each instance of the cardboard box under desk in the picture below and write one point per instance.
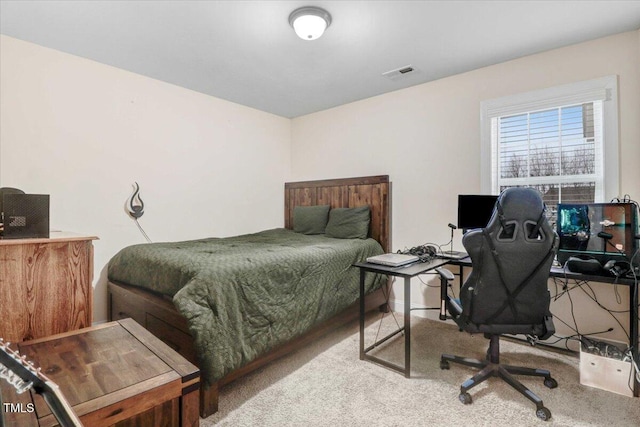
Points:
(114, 373)
(606, 373)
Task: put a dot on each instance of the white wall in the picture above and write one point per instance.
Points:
(427, 138)
(83, 132)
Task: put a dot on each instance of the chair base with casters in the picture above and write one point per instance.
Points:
(491, 367)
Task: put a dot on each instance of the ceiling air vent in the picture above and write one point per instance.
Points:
(399, 73)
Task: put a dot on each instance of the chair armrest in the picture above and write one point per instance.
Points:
(445, 277)
(445, 274)
(549, 327)
(464, 310)
(454, 307)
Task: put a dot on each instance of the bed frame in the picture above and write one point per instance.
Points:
(158, 314)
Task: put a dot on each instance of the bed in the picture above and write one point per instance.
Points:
(232, 305)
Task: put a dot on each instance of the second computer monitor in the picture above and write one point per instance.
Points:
(474, 210)
(603, 231)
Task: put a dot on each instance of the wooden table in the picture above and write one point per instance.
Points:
(116, 373)
(45, 285)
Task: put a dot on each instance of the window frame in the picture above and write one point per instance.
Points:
(603, 89)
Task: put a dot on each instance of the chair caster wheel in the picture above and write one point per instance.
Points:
(466, 398)
(544, 414)
(444, 364)
(550, 382)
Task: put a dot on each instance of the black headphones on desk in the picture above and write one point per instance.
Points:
(617, 268)
(588, 265)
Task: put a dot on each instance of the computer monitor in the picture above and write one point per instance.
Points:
(474, 210)
(603, 231)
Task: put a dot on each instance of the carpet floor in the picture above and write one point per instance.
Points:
(325, 384)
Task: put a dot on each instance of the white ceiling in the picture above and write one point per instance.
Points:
(246, 52)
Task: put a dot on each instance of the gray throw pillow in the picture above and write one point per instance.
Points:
(310, 219)
(349, 223)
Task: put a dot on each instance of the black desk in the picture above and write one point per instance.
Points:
(419, 268)
(407, 273)
(562, 273)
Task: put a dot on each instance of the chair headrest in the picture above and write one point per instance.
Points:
(521, 204)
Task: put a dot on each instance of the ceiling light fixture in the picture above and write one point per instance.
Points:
(309, 22)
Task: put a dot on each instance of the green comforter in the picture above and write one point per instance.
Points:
(244, 295)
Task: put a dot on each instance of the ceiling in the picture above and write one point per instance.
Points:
(246, 52)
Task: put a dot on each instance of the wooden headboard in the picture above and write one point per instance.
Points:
(345, 193)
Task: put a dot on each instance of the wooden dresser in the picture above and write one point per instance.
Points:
(45, 285)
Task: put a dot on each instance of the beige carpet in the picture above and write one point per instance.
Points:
(326, 384)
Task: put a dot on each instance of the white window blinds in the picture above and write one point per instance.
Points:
(562, 141)
(557, 150)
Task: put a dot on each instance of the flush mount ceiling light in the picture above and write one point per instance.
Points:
(309, 22)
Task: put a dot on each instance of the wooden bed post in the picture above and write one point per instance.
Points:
(209, 395)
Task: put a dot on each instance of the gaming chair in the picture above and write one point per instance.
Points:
(507, 293)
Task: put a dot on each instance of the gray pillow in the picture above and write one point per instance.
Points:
(310, 219)
(348, 223)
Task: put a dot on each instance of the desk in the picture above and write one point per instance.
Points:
(562, 273)
(419, 268)
(407, 273)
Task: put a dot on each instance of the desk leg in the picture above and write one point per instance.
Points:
(407, 327)
(362, 273)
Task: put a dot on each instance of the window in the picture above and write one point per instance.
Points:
(562, 141)
(554, 150)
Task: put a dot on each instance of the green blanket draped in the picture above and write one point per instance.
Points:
(245, 295)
